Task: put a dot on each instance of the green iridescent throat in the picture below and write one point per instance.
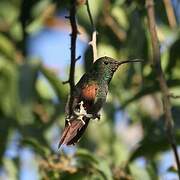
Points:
(104, 74)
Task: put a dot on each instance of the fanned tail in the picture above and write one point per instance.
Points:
(73, 132)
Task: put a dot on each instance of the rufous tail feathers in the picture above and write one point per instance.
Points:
(73, 132)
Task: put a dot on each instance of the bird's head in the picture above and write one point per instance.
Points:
(104, 63)
(106, 66)
(111, 64)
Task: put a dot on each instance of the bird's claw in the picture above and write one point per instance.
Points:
(97, 116)
(68, 121)
(82, 120)
(81, 113)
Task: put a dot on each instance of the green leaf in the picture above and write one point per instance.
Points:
(139, 173)
(119, 12)
(104, 168)
(55, 82)
(150, 89)
(38, 148)
(83, 154)
(88, 160)
(10, 169)
(155, 139)
(9, 99)
(174, 56)
(40, 12)
(27, 92)
(6, 47)
(172, 169)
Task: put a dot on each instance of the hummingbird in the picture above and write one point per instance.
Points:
(89, 96)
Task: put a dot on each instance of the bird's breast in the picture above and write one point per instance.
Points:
(89, 92)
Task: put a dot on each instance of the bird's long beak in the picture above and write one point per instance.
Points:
(130, 61)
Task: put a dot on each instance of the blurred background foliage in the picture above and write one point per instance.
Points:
(129, 142)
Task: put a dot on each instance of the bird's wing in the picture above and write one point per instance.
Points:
(86, 91)
(74, 104)
(100, 99)
(77, 94)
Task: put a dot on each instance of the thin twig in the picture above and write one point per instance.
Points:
(24, 17)
(156, 64)
(112, 24)
(171, 95)
(79, 57)
(94, 34)
(170, 13)
(93, 44)
(72, 18)
(90, 16)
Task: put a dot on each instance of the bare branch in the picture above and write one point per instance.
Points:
(79, 57)
(93, 44)
(94, 34)
(72, 18)
(170, 13)
(67, 17)
(171, 95)
(111, 23)
(90, 16)
(24, 17)
(156, 64)
(65, 82)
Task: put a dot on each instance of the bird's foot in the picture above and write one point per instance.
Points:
(81, 119)
(80, 116)
(68, 120)
(82, 112)
(96, 116)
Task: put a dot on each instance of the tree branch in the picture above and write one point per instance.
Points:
(171, 95)
(94, 34)
(24, 17)
(170, 13)
(72, 18)
(156, 64)
(111, 23)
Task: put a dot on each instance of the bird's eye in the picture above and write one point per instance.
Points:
(105, 62)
